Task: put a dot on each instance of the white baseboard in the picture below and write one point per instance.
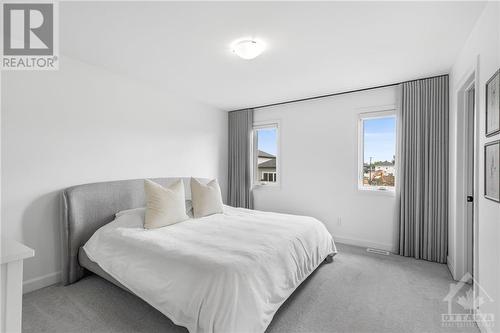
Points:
(364, 243)
(41, 282)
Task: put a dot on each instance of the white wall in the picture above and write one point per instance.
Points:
(319, 156)
(82, 124)
(482, 47)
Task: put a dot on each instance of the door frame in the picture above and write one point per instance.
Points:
(459, 269)
(469, 176)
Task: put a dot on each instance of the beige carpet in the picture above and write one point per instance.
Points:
(358, 292)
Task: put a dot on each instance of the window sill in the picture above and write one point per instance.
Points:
(377, 191)
(266, 186)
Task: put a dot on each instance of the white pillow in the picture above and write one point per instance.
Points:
(207, 199)
(131, 218)
(142, 210)
(164, 206)
(133, 211)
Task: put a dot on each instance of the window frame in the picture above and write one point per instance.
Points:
(256, 182)
(384, 112)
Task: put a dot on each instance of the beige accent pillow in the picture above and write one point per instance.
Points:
(207, 199)
(164, 206)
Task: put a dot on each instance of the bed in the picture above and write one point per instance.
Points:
(226, 272)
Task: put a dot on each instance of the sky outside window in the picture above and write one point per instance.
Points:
(379, 139)
(266, 140)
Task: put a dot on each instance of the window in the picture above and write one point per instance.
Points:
(268, 177)
(266, 153)
(377, 169)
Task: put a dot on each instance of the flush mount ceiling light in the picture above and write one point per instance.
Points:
(247, 48)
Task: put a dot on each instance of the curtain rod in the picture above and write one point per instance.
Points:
(336, 94)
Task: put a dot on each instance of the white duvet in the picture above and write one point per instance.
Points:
(222, 273)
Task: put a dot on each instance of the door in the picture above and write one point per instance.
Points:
(469, 186)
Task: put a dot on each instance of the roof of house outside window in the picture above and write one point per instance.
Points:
(264, 154)
(268, 164)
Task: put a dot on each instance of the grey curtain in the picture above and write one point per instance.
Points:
(422, 184)
(239, 159)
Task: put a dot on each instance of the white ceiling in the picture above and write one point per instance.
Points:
(313, 48)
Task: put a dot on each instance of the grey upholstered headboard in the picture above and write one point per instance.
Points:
(88, 207)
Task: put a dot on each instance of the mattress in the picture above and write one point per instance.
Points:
(222, 273)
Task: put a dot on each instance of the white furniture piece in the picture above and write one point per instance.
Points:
(226, 272)
(11, 292)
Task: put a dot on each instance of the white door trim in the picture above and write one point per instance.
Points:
(458, 266)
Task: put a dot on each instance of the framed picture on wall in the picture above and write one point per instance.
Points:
(492, 170)
(493, 105)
